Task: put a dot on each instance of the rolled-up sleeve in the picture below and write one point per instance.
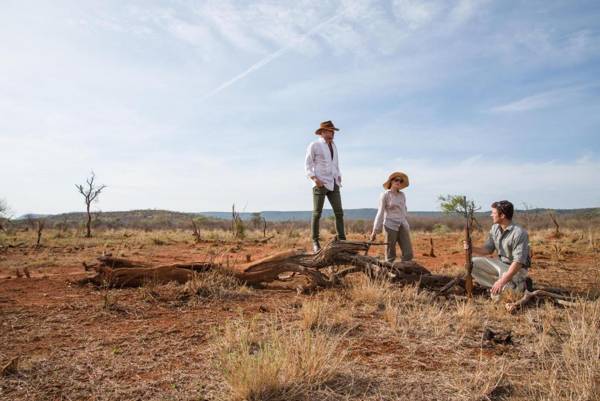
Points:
(309, 162)
(337, 165)
(489, 243)
(378, 222)
(520, 252)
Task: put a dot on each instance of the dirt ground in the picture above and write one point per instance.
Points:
(77, 343)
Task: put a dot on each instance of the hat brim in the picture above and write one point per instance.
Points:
(326, 129)
(388, 183)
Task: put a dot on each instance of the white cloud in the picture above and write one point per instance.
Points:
(543, 45)
(416, 13)
(273, 56)
(533, 102)
(550, 184)
(192, 33)
(544, 99)
(465, 10)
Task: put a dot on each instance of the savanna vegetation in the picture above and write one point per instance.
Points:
(216, 338)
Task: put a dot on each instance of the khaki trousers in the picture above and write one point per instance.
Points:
(486, 271)
(402, 237)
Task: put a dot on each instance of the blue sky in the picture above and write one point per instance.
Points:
(195, 105)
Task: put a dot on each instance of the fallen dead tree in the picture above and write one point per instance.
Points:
(324, 269)
(136, 276)
(339, 257)
(115, 263)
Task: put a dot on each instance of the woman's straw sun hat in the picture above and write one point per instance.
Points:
(397, 174)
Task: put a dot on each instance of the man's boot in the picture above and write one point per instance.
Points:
(529, 284)
(316, 246)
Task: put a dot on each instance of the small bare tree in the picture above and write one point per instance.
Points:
(37, 224)
(41, 223)
(196, 231)
(3, 214)
(554, 218)
(90, 192)
(237, 225)
(259, 222)
(459, 204)
(3, 207)
(530, 215)
(256, 220)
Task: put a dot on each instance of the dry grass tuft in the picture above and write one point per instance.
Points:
(314, 313)
(411, 312)
(215, 284)
(543, 322)
(466, 316)
(370, 291)
(575, 369)
(326, 314)
(488, 382)
(277, 363)
(568, 355)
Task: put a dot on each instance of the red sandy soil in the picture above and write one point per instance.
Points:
(150, 346)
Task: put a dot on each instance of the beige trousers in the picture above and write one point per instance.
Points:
(402, 237)
(486, 271)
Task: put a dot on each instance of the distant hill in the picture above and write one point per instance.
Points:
(167, 216)
(369, 214)
(305, 215)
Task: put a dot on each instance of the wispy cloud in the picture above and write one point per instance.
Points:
(533, 102)
(273, 56)
(416, 13)
(542, 100)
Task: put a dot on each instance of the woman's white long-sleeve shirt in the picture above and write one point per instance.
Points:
(320, 164)
(392, 211)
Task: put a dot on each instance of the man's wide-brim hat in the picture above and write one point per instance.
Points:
(327, 126)
(393, 176)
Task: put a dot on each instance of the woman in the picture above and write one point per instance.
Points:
(392, 215)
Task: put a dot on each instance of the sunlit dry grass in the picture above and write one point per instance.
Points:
(369, 291)
(277, 363)
(156, 342)
(326, 313)
(216, 284)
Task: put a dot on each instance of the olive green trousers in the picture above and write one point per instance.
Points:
(335, 200)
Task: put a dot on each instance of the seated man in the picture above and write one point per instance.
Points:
(512, 244)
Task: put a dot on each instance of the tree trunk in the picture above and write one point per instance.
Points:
(40, 228)
(89, 222)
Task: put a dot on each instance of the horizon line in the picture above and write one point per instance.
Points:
(283, 211)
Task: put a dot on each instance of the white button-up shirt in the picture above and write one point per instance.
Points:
(318, 163)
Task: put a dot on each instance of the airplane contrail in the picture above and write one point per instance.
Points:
(266, 60)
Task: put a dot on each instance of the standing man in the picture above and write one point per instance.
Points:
(322, 168)
(511, 242)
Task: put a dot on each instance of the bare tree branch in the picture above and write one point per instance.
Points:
(90, 194)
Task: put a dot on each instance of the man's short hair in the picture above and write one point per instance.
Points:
(504, 207)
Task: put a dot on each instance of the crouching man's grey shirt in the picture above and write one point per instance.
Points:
(512, 244)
